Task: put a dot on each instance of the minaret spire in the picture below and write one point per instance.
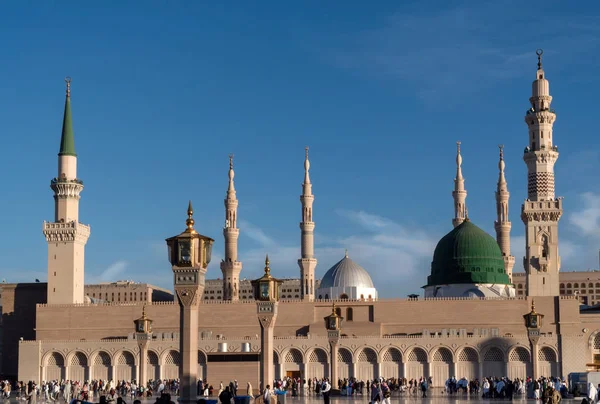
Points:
(502, 224)
(231, 189)
(230, 266)
(67, 140)
(541, 210)
(459, 194)
(307, 262)
(66, 237)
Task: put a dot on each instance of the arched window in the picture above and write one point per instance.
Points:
(349, 314)
(544, 246)
(343, 296)
(576, 285)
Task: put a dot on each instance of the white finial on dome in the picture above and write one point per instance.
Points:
(346, 253)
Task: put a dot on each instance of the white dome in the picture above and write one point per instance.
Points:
(346, 274)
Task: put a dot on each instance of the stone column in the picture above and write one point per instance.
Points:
(188, 345)
(333, 371)
(334, 338)
(143, 368)
(534, 357)
(267, 314)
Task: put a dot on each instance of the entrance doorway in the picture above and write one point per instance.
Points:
(294, 374)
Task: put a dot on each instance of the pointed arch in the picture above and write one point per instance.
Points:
(54, 366)
(78, 366)
(292, 360)
(416, 363)
(548, 361)
(171, 364)
(366, 364)
(152, 366)
(345, 360)
(125, 365)
(519, 362)
(441, 365)
(318, 363)
(467, 364)
(391, 362)
(202, 359)
(101, 365)
(494, 364)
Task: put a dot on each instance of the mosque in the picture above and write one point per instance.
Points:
(470, 322)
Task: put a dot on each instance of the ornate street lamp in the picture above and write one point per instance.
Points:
(143, 336)
(533, 322)
(189, 254)
(333, 324)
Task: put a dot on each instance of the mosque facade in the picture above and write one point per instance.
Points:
(469, 324)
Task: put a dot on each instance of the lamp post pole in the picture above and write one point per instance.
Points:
(266, 293)
(533, 322)
(333, 324)
(143, 336)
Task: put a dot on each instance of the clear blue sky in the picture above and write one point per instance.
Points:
(163, 91)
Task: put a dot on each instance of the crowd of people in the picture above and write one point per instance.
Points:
(68, 390)
(549, 390)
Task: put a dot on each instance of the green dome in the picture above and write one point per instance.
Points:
(467, 255)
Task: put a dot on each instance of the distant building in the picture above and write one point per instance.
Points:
(127, 291)
(585, 285)
(214, 289)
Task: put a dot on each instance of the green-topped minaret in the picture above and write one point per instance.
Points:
(66, 237)
(67, 140)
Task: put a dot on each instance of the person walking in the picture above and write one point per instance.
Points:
(325, 390)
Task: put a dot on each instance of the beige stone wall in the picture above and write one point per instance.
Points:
(391, 338)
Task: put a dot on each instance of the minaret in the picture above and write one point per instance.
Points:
(230, 266)
(66, 237)
(307, 262)
(459, 194)
(541, 210)
(502, 224)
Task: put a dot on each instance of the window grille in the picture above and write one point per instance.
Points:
(79, 359)
(173, 358)
(442, 355)
(293, 356)
(367, 355)
(468, 355)
(344, 356)
(494, 355)
(547, 355)
(318, 356)
(392, 355)
(417, 355)
(519, 355)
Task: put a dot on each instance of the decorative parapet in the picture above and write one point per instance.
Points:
(295, 301)
(64, 188)
(67, 231)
